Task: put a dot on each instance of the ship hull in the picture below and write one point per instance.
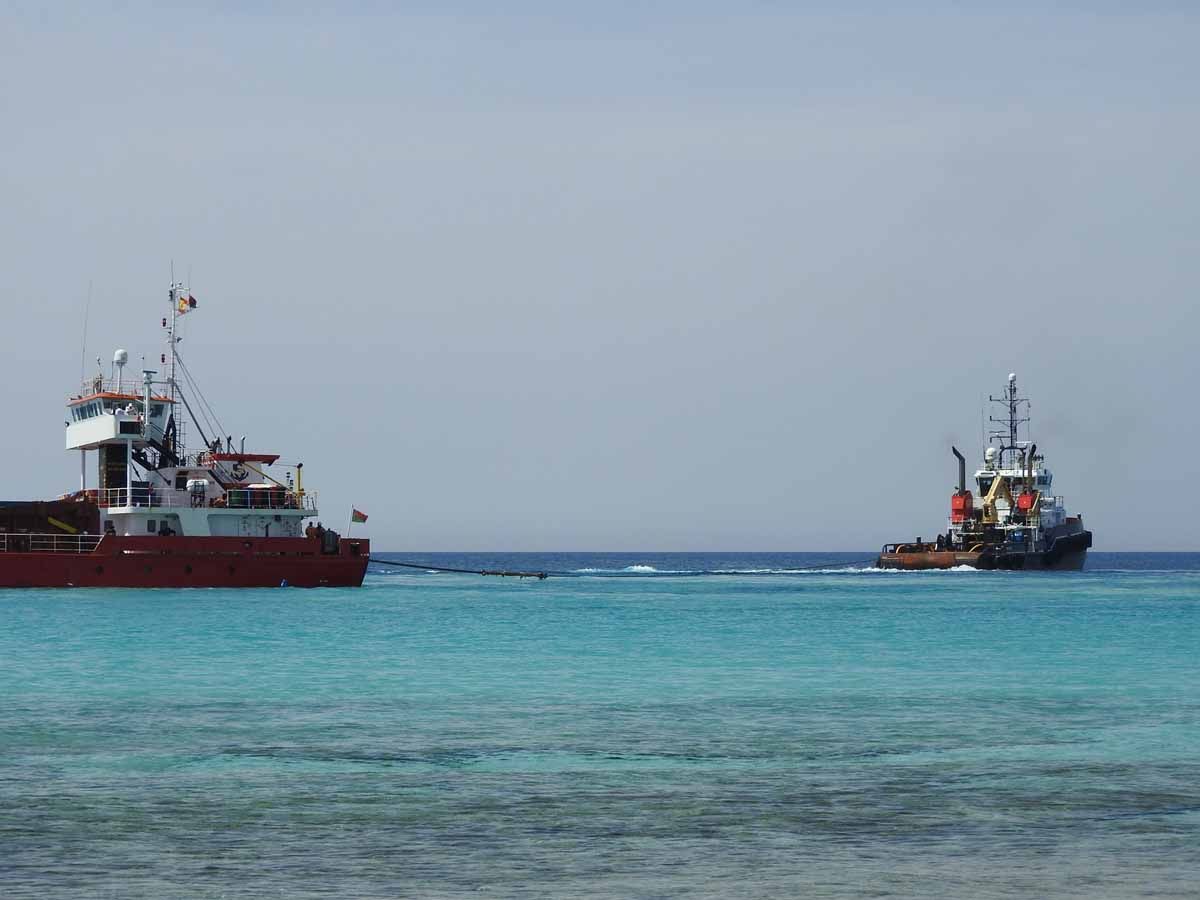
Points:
(199, 562)
(1067, 554)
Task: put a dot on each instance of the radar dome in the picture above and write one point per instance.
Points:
(1012, 376)
(121, 357)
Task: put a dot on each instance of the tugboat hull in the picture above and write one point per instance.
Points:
(1067, 554)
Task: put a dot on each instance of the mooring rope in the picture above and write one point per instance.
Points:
(542, 576)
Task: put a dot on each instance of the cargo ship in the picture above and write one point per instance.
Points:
(1018, 523)
(161, 515)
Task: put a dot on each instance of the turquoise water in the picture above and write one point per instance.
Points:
(809, 733)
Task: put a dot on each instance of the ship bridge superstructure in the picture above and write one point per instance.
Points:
(149, 483)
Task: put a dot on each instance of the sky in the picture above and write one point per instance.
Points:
(668, 276)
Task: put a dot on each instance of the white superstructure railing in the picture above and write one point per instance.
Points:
(233, 498)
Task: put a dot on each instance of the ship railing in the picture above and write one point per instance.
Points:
(233, 498)
(268, 498)
(12, 542)
(126, 387)
(102, 385)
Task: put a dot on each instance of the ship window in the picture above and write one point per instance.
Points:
(985, 485)
(156, 410)
(181, 480)
(151, 526)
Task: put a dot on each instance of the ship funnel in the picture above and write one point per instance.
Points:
(962, 470)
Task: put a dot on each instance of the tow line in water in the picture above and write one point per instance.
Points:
(502, 573)
(542, 576)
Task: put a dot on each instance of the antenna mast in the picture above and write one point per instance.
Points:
(87, 308)
(1007, 436)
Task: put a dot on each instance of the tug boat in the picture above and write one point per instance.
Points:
(1018, 524)
(165, 516)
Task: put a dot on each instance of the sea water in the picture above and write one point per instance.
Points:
(628, 729)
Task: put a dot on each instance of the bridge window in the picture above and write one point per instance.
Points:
(151, 526)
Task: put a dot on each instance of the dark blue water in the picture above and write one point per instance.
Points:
(781, 731)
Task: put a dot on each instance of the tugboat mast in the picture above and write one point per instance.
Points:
(1011, 423)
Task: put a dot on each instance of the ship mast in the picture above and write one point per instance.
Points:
(171, 342)
(181, 302)
(1007, 436)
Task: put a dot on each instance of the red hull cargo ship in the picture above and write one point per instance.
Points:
(162, 515)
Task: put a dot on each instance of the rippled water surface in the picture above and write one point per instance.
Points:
(778, 732)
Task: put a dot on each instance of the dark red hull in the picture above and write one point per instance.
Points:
(201, 562)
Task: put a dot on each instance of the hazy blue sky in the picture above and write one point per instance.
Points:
(677, 276)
